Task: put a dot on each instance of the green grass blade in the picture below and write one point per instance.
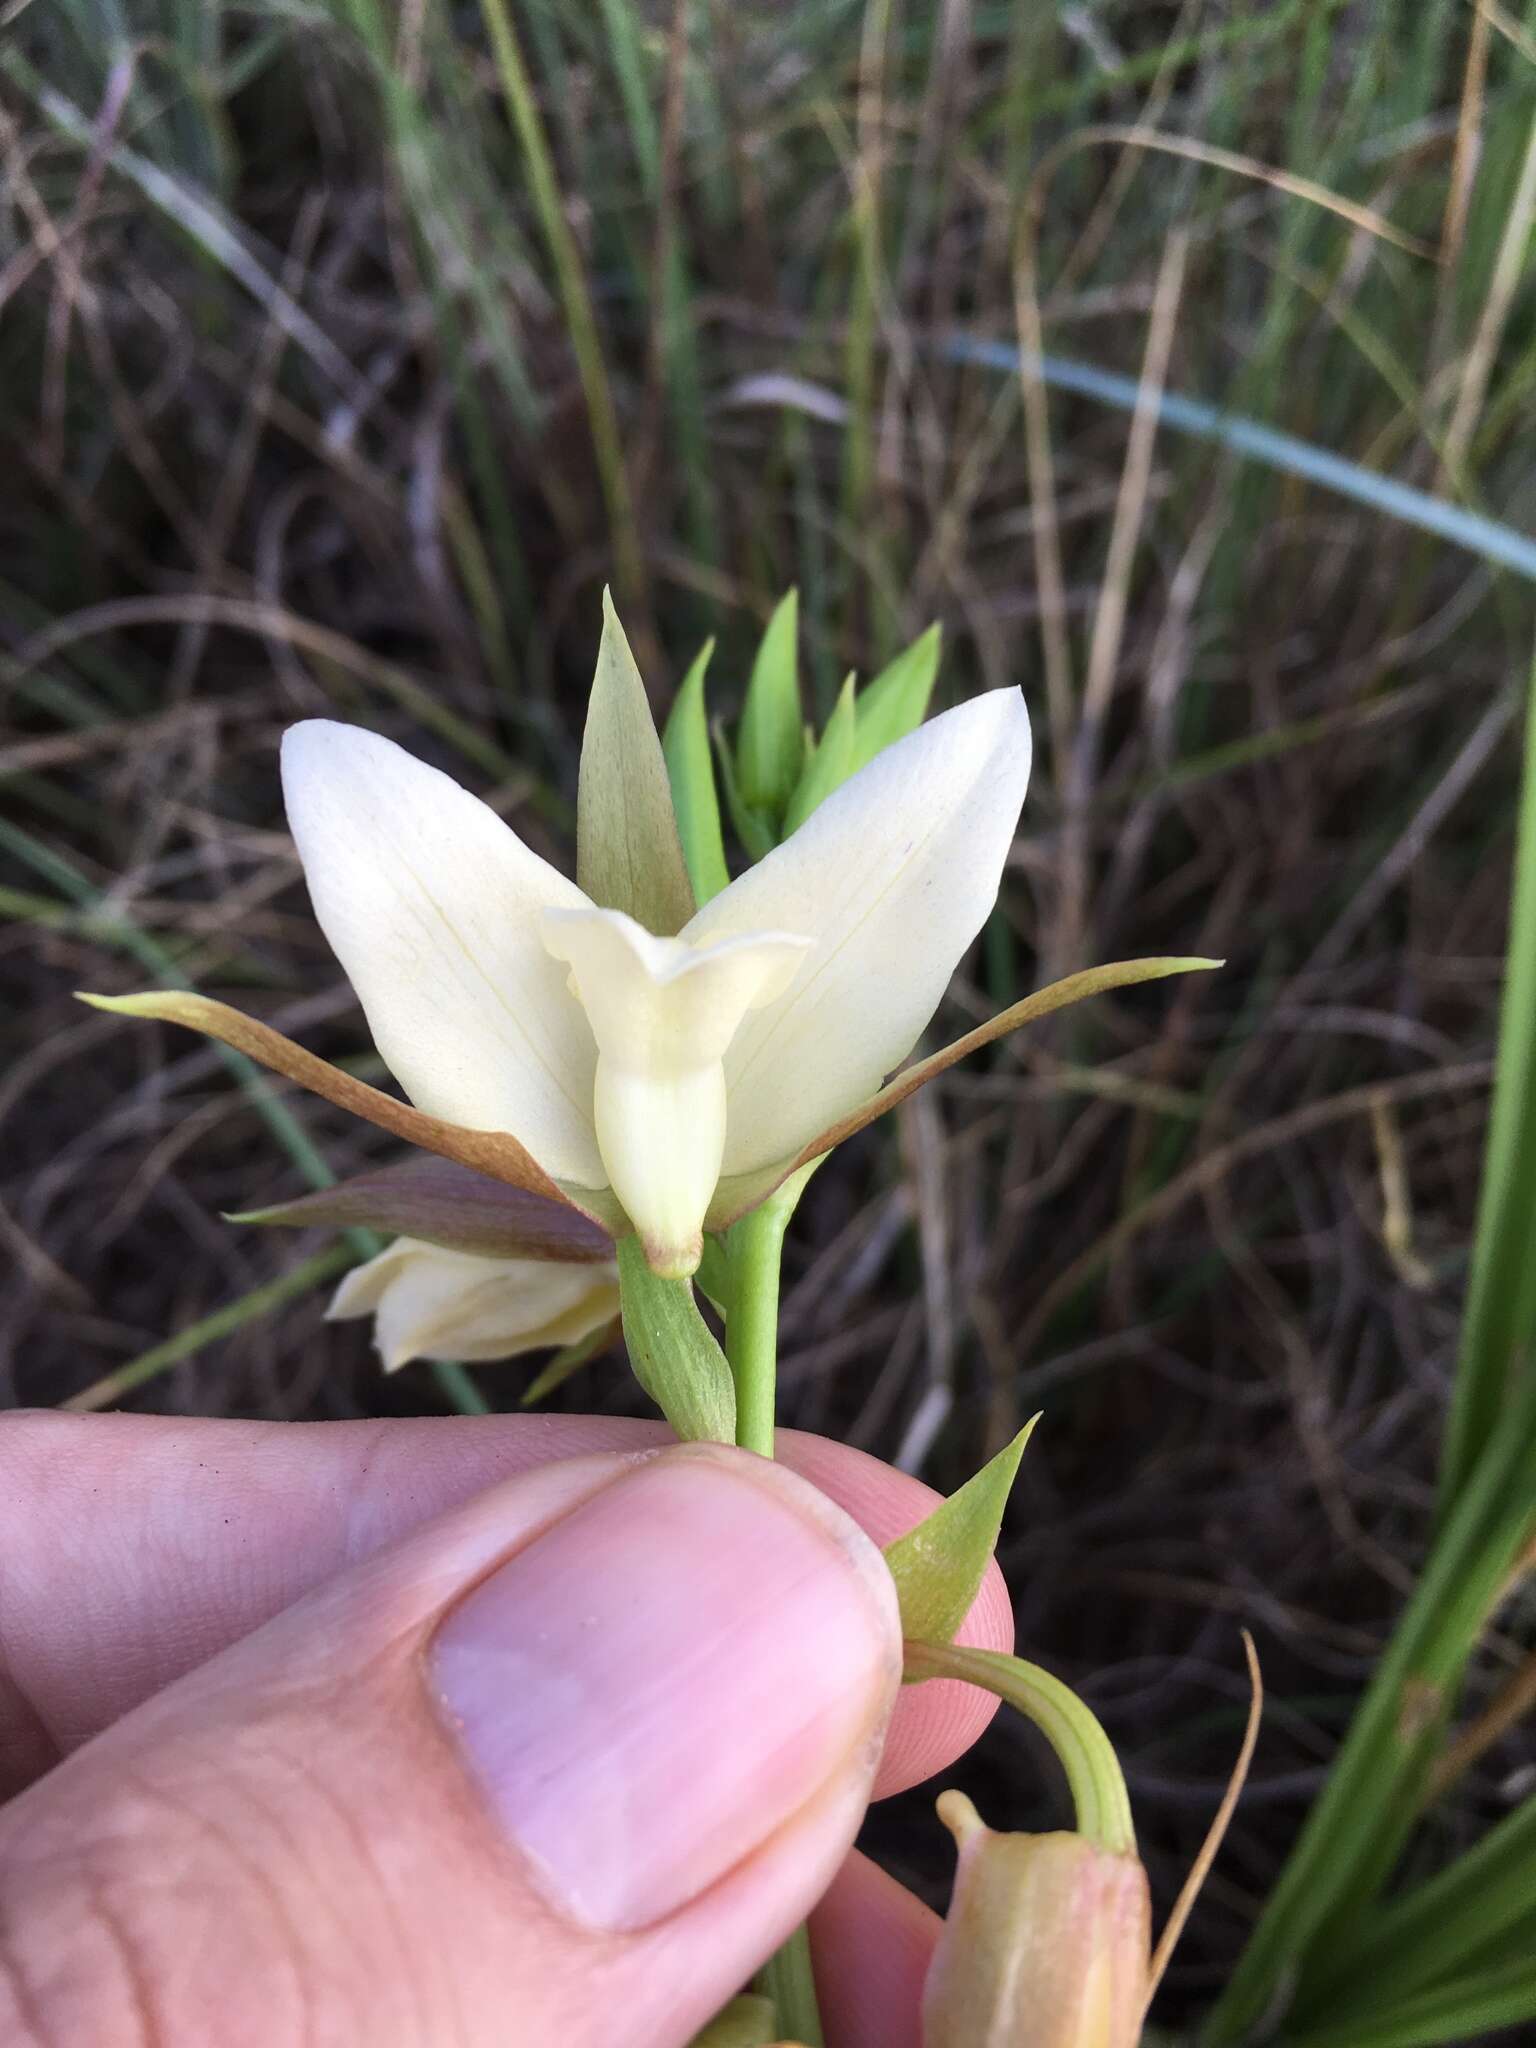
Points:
(1500, 1324)
(1430, 1934)
(1367, 1807)
(1453, 2012)
(575, 298)
(1490, 538)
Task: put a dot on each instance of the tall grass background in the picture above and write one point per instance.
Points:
(1180, 360)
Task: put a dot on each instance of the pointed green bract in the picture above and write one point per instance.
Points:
(770, 746)
(674, 1356)
(629, 856)
(754, 828)
(830, 765)
(896, 702)
(691, 771)
(939, 1566)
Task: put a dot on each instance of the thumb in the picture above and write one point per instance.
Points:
(564, 1767)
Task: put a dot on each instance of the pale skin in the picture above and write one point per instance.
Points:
(238, 1809)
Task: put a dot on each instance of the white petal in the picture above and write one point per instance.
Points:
(663, 1014)
(431, 1303)
(892, 876)
(431, 904)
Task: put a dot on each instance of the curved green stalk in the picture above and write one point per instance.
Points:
(1072, 1729)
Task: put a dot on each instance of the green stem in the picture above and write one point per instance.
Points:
(755, 1246)
(752, 1328)
(787, 1979)
(1071, 1728)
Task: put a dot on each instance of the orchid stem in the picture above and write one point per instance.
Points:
(756, 1247)
(787, 1979)
(752, 1327)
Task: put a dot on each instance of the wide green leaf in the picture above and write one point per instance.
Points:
(770, 747)
(830, 764)
(896, 702)
(939, 1566)
(673, 1353)
(691, 771)
(629, 855)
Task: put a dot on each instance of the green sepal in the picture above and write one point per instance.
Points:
(629, 856)
(691, 771)
(831, 763)
(896, 701)
(939, 1566)
(770, 745)
(747, 2022)
(754, 828)
(673, 1354)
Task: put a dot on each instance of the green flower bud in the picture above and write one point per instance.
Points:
(1047, 1944)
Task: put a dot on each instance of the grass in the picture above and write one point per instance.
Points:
(348, 351)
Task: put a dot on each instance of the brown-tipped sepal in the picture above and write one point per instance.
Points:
(1047, 1943)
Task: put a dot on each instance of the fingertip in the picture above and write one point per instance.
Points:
(932, 1724)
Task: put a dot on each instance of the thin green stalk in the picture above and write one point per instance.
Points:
(575, 298)
(756, 1247)
(1084, 1751)
(787, 1979)
(1500, 1322)
(752, 1331)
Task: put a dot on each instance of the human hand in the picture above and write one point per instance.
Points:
(504, 1733)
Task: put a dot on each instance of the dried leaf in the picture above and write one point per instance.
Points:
(496, 1153)
(740, 1192)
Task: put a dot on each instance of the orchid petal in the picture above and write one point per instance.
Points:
(430, 1303)
(737, 1193)
(431, 904)
(663, 1014)
(892, 877)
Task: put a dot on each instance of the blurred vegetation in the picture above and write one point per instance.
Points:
(348, 349)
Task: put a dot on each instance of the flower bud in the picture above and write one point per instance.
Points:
(1047, 1944)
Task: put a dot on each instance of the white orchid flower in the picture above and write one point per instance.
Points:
(428, 1302)
(665, 1077)
(504, 1000)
